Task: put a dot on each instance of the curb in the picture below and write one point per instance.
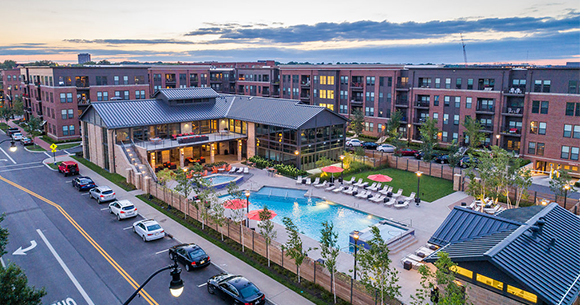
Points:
(33, 151)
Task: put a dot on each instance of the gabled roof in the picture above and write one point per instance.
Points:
(470, 250)
(186, 93)
(463, 224)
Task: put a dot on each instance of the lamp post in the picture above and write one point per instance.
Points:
(13, 147)
(497, 140)
(417, 197)
(566, 188)
(341, 166)
(175, 286)
(356, 237)
(297, 153)
(408, 135)
(247, 208)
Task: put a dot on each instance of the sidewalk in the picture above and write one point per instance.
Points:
(37, 140)
(275, 292)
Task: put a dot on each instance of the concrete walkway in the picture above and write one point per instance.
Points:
(275, 292)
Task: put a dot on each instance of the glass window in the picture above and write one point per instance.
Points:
(544, 107)
(435, 115)
(576, 131)
(534, 127)
(542, 129)
(444, 136)
(536, 107)
(65, 130)
(437, 82)
(565, 153)
(469, 83)
(99, 96)
(458, 83)
(448, 83)
(532, 148)
(436, 100)
(567, 131)
(445, 118)
(116, 79)
(456, 119)
(540, 150)
(446, 100)
(468, 101)
(105, 96)
(71, 130)
(63, 114)
(457, 101)
(63, 97)
(70, 114)
(574, 153)
(570, 109)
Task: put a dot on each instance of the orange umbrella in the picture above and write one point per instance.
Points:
(255, 214)
(332, 169)
(235, 204)
(380, 178)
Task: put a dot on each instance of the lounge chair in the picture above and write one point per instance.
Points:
(364, 184)
(351, 191)
(405, 204)
(246, 170)
(233, 170)
(423, 252)
(299, 180)
(389, 202)
(316, 181)
(240, 170)
(347, 189)
(330, 188)
(386, 190)
(398, 194)
(372, 186)
(377, 198)
(493, 210)
(359, 183)
(375, 188)
(411, 197)
(349, 181)
(338, 189)
(323, 184)
(363, 194)
(308, 181)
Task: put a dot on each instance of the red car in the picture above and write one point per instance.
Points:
(68, 168)
(406, 152)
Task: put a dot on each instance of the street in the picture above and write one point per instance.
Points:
(73, 247)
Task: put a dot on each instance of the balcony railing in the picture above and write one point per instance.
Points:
(356, 101)
(305, 84)
(403, 103)
(486, 127)
(512, 131)
(514, 111)
(485, 108)
(170, 81)
(421, 104)
(357, 85)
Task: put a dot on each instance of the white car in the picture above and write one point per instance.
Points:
(17, 136)
(123, 209)
(353, 143)
(102, 194)
(148, 229)
(388, 148)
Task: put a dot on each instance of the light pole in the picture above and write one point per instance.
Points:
(175, 286)
(341, 166)
(13, 147)
(566, 188)
(247, 208)
(497, 140)
(408, 135)
(417, 197)
(356, 237)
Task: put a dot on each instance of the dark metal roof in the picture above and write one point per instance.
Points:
(521, 214)
(470, 250)
(463, 224)
(186, 93)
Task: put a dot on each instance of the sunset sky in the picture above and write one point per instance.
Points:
(420, 31)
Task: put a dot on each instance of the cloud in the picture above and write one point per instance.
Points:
(129, 41)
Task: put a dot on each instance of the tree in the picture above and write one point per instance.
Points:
(330, 251)
(293, 247)
(237, 215)
(267, 229)
(3, 236)
(473, 132)
(165, 176)
(523, 181)
(33, 127)
(184, 184)
(375, 272)
(559, 181)
(444, 278)
(104, 62)
(218, 215)
(454, 157)
(428, 132)
(392, 126)
(323, 161)
(357, 122)
(8, 65)
(6, 112)
(17, 107)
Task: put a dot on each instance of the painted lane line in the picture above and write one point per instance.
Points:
(7, 155)
(3, 159)
(84, 194)
(47, 154)
(21, 168)
(199, 286)
(104, 209)
(127, 228)
(66, 269)
(19, 164)
(2, 262)
(159, 252)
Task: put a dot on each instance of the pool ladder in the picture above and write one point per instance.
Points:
(270, 195)
(286, 196)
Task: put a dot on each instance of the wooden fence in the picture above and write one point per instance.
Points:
(346, 288)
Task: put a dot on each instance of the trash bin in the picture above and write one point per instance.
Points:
(407, 265)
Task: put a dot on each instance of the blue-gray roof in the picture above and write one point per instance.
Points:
(469, 250)
(186, 93)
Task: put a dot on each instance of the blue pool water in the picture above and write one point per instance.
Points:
(219, 179)
(308, 214)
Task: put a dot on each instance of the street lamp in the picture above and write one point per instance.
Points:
(356, 237)
(566, 188)
(13, 147)
(247, 208)
(175, 286)
(408, 134)
(497, 140)
(417, 197)
(341, 166)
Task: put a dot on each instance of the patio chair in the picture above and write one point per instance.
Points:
(389, 202)
(316, 181)
(359, 183)
(398, 194)
(372, 186)
(338, 189)
(411, 197)
(492, 210)
(351, 191)
(386, 190)
(376, 187)
(405, 205)
(347, 188)
(364, 184)
(233, 170)
(363, 194)
(246, 170)
(423, 252)
(376, 198)
(240, 170)
(308, 181)
(330, 188)
(323, 184)
(349, 181)
(299, 180)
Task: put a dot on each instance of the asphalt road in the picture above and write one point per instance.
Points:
(75, 249)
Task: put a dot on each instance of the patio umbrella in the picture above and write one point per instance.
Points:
(235, 204)
(332, 169)
(255, 214)
(380, 178)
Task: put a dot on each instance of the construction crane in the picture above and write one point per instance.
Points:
(464, 53)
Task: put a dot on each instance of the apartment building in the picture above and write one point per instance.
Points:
(10, 87)
(171, 77)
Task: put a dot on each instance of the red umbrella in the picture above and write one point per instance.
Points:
(255, 214)
(380, 178)
(332, 169)
(235, 204)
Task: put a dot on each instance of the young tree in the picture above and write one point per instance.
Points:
(521, 182)
(33, 128)
(357, 122)
(428, 131)
(323, 161)
(293, 246)
(6, 112)
(266, 226)
(219, 216)
(330, 251)
(454, 157)
(559, 181)
(3, 236)
(392, 126)
(165, 176)
(208, 199)
(473, 132)
(375, 272)
(237, 215)
(17, 107)
(184, 184)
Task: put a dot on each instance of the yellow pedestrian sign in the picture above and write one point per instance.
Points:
(53, 147)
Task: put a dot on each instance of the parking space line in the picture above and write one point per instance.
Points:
(104, 209)
(84, 194)
(199, 286)
(2, 262)
(7, 155)
(127, 228)
(66, 269)
(20, 168)
(159, 252)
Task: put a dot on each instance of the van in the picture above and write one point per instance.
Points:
(11, 131)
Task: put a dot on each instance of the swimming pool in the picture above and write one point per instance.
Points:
(220, 180)
(309, 213)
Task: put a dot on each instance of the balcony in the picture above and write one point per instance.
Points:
(514, 92)
(419, 120)
(514, 111)
(485, 109)
(402, 86)
(402, 103)
(512, 132)
(359, 86)
(305, 97)
(356, 101)
(305, 84)
(170, 81)
(215, 79)
(421, 105)
(486, 128)
(82, 84)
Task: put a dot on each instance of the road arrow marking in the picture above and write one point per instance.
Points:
(3, 159)
(21, 251)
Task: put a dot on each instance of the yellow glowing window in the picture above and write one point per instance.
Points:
(462, 271)
(331, 80)
(330, 106)
(322, 93)
(323, 80)
(489, 281)
(330, 94)
(522, 294)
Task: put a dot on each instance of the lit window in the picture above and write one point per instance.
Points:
(322, 93)
(331, 80)
(522, 294)
(489, 281)
(323, 80)
(465, 272)
(330, 94)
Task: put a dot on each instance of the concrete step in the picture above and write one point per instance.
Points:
(402, 244)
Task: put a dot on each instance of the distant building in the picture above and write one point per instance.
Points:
(84, 57)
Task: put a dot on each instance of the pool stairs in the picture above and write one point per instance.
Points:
(402, 243)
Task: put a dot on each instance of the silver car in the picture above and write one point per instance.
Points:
(123, 209)
(388, 148)
(148, 229)
(102, 194)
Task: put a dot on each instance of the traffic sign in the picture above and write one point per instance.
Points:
(53, 147)
(54, 150)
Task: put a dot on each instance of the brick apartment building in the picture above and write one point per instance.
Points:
(10, 87)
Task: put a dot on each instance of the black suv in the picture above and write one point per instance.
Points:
(11, 131)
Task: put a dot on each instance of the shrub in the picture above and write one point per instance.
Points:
(289, 170)
(261, 162)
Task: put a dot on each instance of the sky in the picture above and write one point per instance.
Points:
(362, 31)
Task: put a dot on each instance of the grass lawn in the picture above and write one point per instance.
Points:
(431, 188)
(51, 164)
(4, 126)
(67, 146)
(35, 147)
(115, 178)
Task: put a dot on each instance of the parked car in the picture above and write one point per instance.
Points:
(406, 152)
(235, 289)
(17, 136)
(388, 148)
(441, 159)
(369, 145)
(11, 131)
(123, 209)
(353, 143)
(419, 155)
(191, 256)
(68, 168)
(102, 194)
(466, 161)
(26, 141)
(148, 229)
(83, 183)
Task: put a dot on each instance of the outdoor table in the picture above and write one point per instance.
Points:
(155, 140)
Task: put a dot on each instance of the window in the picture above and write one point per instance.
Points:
(532, 148)
(322, 93)
(435, 115)
(65, 130)
(570, 111)
(389, 81)
(63, 114)
(344, 80)
(105, 96)
(456, 119)
(486, 84)
(424, 82)
(567, 131)
(489, 281)
(370, 80)
(540, 150)
(69, 98)
(457, 101)
(330, 94)
(565, 153)
(458, 83)
(470, 84)
(468, 102)
(437, 82)
(126, 94)
(370, 96)
(125, 80)
(444, 136)
(573, 86)
(369, 111)
(574, 153)
(70, 114)
(436, 100)
(576, 132)
(343, 109)
(331, 80)
(116, 79)
(118, 94)
(315, 93)
(547, 84)
(544, 107)
(542, 129)
(536, 107)
(99, 96)
(137, 94)
(522, 294)
(446, 100)
(63, 97)
(381, 83)
(316, 79)
(71, 130)
(445, 118)
(448, 83)
(142, 93)
(323, 80)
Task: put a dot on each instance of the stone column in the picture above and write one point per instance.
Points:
(181, 158)
(240, 143)
(153, 161)
(146, 184)
(457, 182)
(138, 180)
(212, 153)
